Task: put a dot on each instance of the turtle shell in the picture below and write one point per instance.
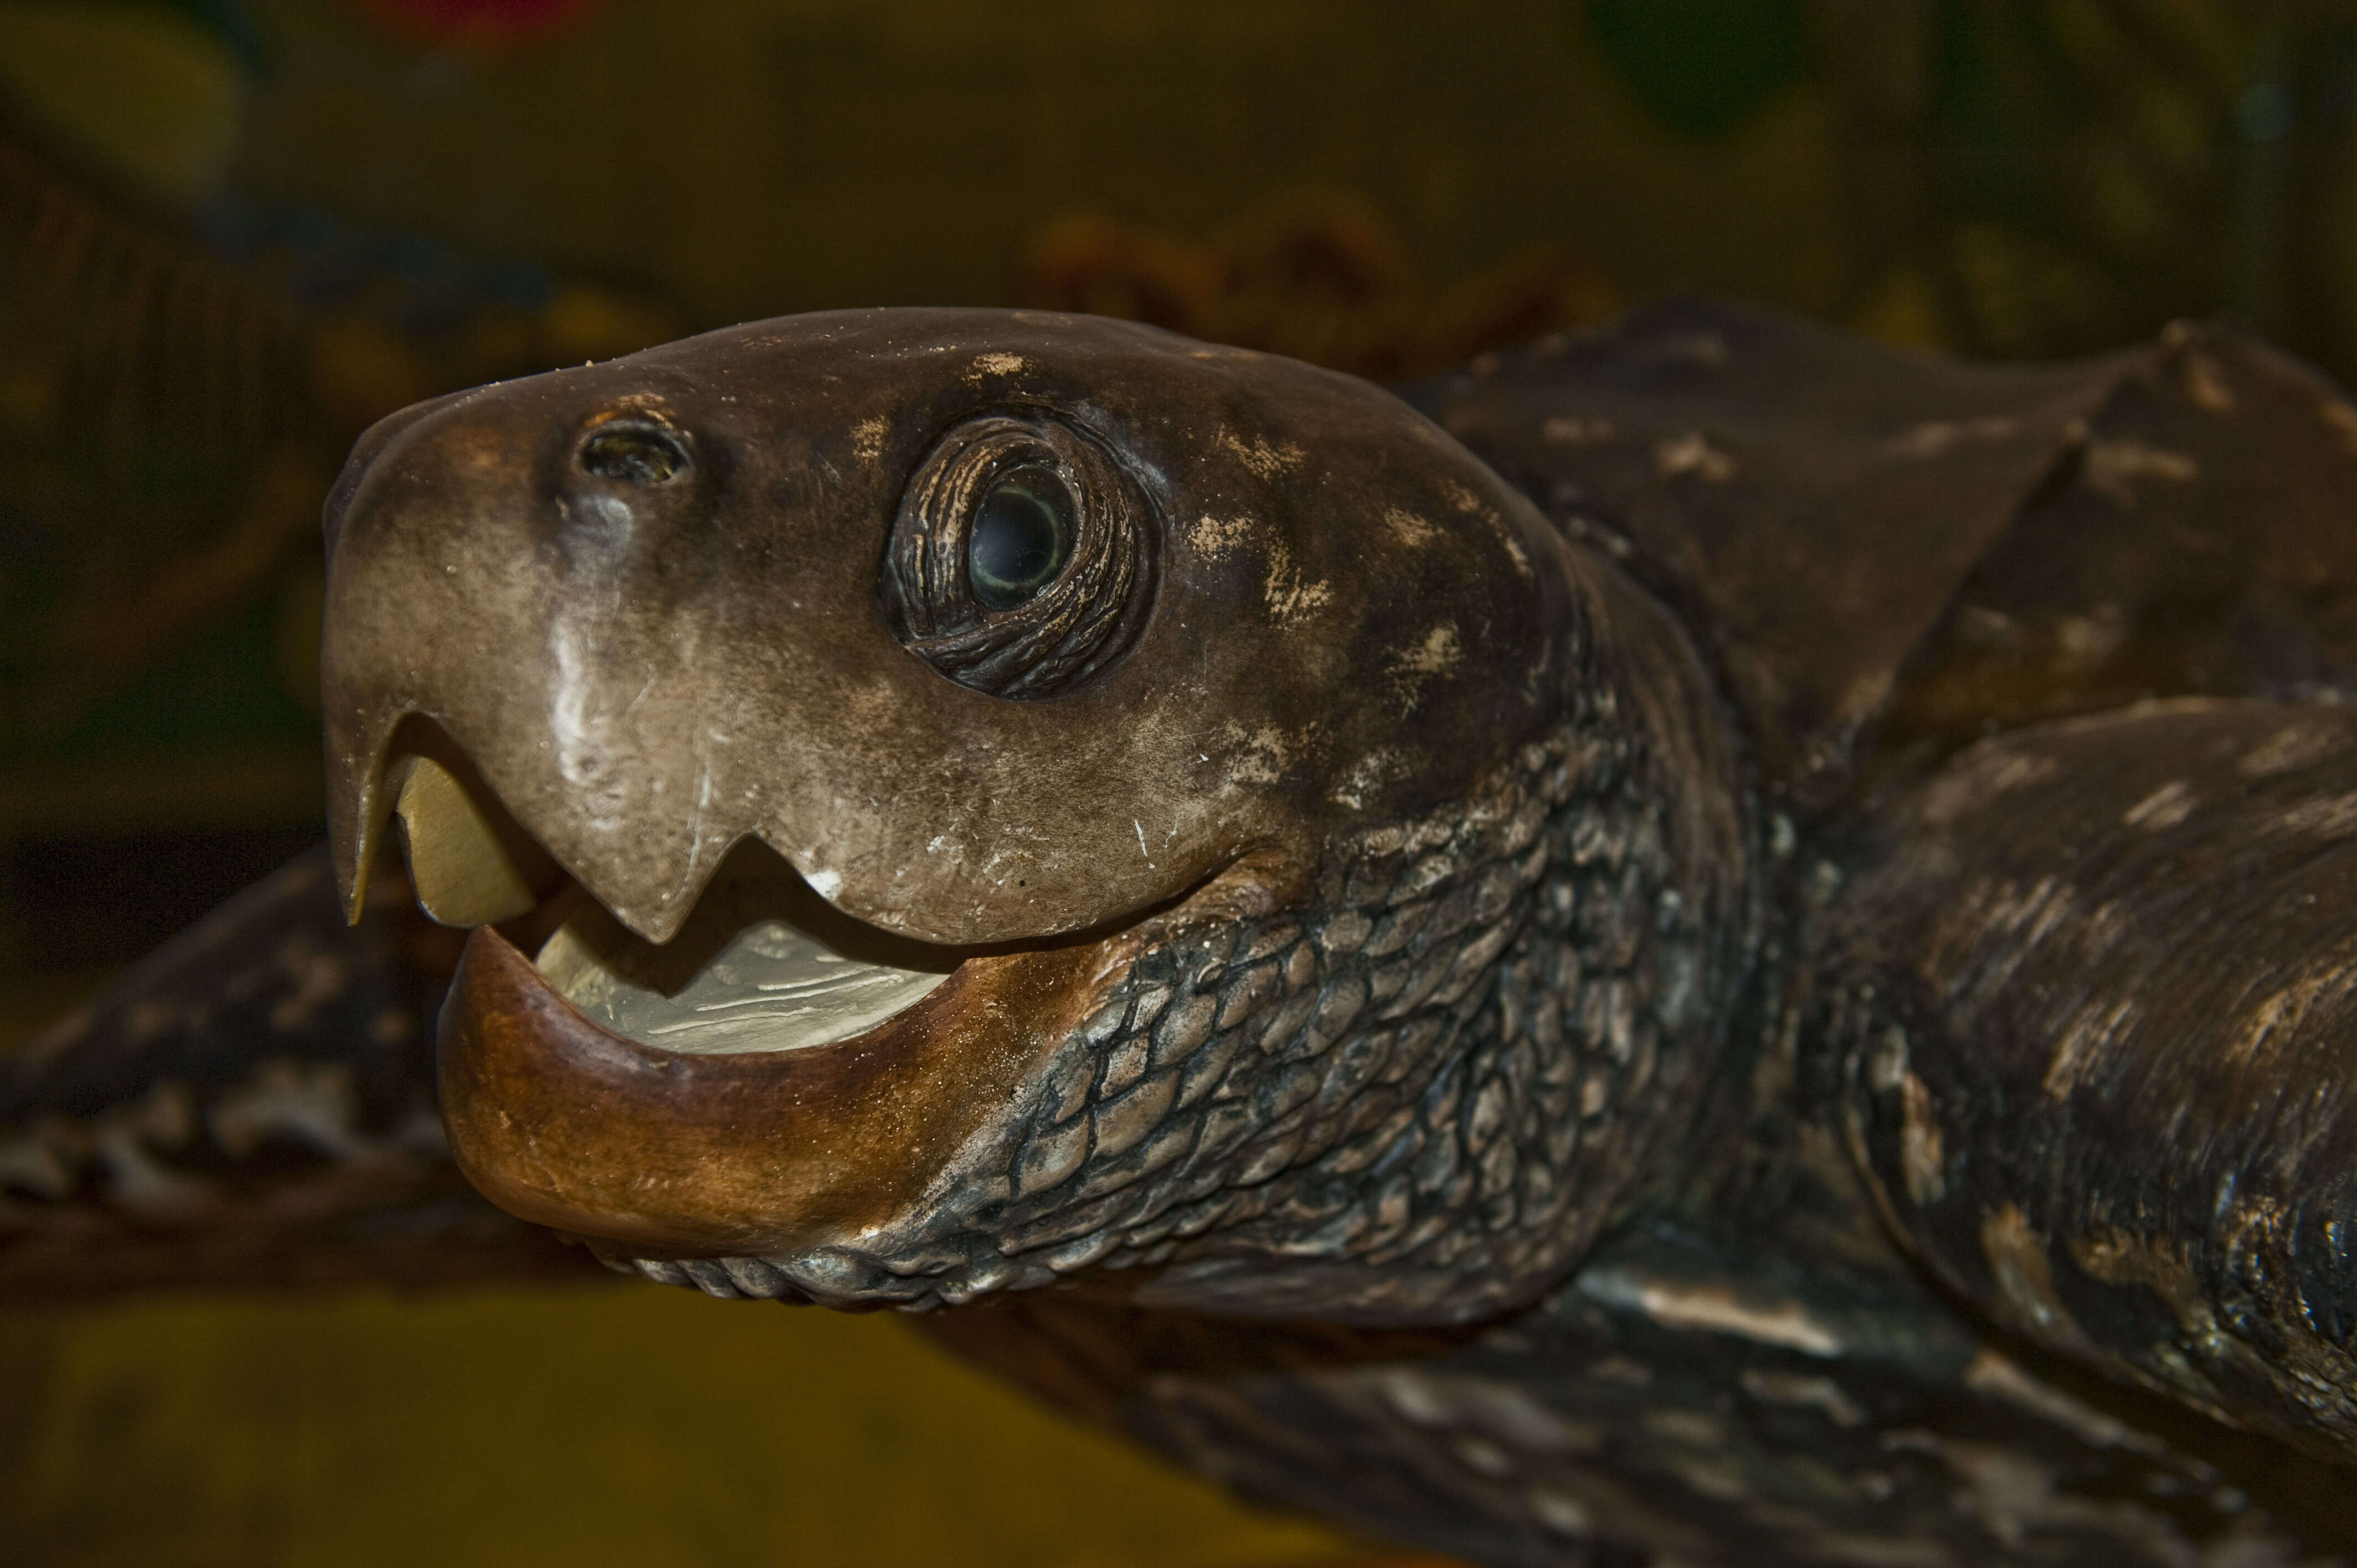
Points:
(1889, 554)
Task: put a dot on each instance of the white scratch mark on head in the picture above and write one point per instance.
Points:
(583, 730)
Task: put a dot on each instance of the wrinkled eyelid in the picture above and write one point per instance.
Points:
(1044, 638)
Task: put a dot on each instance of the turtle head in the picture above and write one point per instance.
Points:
(954, 798)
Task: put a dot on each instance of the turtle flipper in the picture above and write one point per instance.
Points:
(2090, 999)
(252, 1104)
(1696, 1394)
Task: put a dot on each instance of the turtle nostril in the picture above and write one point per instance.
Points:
(633, 454)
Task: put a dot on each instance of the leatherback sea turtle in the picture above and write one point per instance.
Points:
(1701, 943)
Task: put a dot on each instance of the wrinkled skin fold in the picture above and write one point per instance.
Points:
(1597, 964)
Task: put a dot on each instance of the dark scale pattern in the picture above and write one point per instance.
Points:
(1686, 1401)
(2107, 1094)
(1412, 1095)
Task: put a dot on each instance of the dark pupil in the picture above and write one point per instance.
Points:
(632, 457)
(1020, 537)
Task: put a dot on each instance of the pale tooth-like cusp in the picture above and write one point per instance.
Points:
(466, 869)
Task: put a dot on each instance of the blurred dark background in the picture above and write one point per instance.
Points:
(233, 233)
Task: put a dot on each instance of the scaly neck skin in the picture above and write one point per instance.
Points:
(1416, 1094)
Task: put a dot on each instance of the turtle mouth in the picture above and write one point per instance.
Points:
(777, 1077)
(761, 964)
(752, 970)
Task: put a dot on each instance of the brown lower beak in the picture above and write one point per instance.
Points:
(561, 1121)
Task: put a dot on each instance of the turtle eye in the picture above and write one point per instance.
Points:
(1021, 536)
(633, 454)
(1022, 560)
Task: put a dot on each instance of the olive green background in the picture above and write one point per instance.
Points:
(755, 156)
(632, 1425)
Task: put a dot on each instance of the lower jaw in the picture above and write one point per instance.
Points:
(777, 1080)
(778, 1077)
(741, 1151)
